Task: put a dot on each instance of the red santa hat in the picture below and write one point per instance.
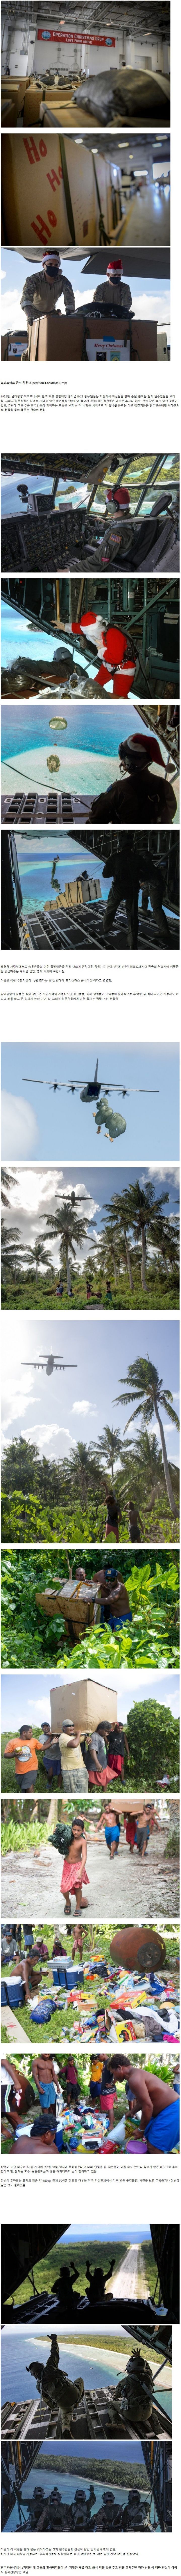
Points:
(115, 264)
(118, 492)
(147, 742)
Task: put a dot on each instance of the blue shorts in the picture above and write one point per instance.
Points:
(111, 1618)
(112, 1834)
(164, 2131)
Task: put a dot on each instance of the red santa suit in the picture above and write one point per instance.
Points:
(116, 660)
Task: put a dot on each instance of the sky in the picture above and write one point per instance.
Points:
(58, 1411)
(35, 1699)
(150, 296)
(37, 1193)
(136, 2234)
(36, 1121)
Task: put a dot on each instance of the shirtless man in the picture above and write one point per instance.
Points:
(159, 2106)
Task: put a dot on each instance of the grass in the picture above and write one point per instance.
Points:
(31, 1295)
(55, 2030)
(29, 1516)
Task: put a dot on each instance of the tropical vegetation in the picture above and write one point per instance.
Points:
(67, 1498)
(30, 1639)
(132, 1259)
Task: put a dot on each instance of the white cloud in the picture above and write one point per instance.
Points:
(83, 1406)
(11, 315)
(155, 307)
(18, 1127)
(42, 1706)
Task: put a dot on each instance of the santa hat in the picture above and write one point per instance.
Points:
(51, 259)
(148, 743)
(118, 492)
(116, 265)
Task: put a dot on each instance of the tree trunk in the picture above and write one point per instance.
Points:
(165, 1259)
(68, 1270)
(128, 1258)
(37, 1269)
(115, 1265)
(168, 1482)
(52, 1815)
(143, 1262)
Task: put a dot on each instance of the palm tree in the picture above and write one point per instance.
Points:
(148, 1392)
(109, 1446)
(167, 1244)
(38, 1254)
(72, 1229)
(80, 1468)
(137, 1214)
(110, 1255)
(8, 1182)
(119, 1223)
(11, 1247)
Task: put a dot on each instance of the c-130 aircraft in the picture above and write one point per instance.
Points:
(49, 1360)
(95, 1091)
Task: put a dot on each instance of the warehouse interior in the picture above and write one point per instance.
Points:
(47, 72)
(103, 191)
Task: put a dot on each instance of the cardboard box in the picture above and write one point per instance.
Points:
(56, 337)
(84, 1700)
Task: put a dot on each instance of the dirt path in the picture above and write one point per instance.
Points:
(126, 1889)
(129, 2281)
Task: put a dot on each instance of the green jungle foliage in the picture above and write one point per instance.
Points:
(30, 1639)
(31, 1295)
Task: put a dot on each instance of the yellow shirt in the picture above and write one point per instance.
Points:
(96, 2069)
(72, 1753)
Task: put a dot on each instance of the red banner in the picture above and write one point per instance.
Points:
(66, 37)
